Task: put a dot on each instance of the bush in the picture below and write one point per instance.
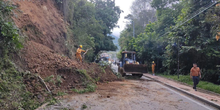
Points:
(9, 36)
(89, 88)
(49, 79)
(14, 95)
(211, 76)
(202, 84)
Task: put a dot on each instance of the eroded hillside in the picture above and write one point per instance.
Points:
(45, 55)
(42, 23)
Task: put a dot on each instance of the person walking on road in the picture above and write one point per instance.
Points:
(78, 53)
(153, 68)
(195, 75)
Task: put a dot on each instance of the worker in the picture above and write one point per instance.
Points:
(217, 36)
(195, 74)
(126, 59)
(78, 53)
(153, 68)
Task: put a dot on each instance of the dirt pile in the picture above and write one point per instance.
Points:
(44, 52)
(62, 73)
(42, 23)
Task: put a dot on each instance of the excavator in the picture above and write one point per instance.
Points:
(129, 65)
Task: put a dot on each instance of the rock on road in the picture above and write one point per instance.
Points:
(142, 94)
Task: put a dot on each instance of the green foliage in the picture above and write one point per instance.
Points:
(162, 39)
(103, 69)
(107, 13)
(89, 88)
(91, 23)
(29, 103)
(202, 84)
(53, 101)
(59, 80)
(49, 78)
(9, 37)
(97, 79)
(197, 40)
(84, 106)
(87, 76)
(60, 93)
(13, 91)
(89, 83)
(14, 95)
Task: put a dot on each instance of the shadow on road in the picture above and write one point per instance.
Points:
(130, 77)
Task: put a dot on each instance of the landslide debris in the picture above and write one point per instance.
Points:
(45, 54)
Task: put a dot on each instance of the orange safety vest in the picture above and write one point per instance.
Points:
(79, 51)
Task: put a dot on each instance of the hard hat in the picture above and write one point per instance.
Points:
(80, 46)
(153, 62)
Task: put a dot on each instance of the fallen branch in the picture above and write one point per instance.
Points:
(44, 84)
(85, 53)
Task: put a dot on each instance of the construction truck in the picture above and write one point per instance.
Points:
(129, 65)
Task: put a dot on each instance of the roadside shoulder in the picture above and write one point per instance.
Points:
(203, 95)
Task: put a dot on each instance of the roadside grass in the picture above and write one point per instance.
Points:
(49, 78)
(88, 82)
(84, 106)
(202, 84)
(89, 88)
(87, 76)
(60, 93)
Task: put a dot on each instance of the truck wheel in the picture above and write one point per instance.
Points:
(123, 74)
(140, 75)
(120, 70)
(137, 75)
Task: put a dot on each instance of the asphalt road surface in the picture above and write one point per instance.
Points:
(132, 94)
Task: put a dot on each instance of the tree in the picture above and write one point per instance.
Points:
(108, 14)
(91, 24)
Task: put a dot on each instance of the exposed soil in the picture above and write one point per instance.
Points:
(127, 95)
(45, 62)
(42, 23)
(45, 53)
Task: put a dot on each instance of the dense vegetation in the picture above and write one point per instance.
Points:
(164, 35)
(202, 84)
(13, 93)
(91, 23)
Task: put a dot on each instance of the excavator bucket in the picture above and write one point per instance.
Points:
(135, 68)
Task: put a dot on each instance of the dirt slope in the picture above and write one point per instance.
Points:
(42, 23)
(44, 51)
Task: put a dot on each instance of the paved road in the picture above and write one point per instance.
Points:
(136, 94)
(142, 94)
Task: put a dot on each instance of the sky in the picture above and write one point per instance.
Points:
(125, 6)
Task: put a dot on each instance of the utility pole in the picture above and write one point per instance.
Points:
(178, 57)
(133, 28)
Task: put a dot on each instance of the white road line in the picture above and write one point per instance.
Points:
(185, 97)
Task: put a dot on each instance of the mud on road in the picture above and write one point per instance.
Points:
(140, 94)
